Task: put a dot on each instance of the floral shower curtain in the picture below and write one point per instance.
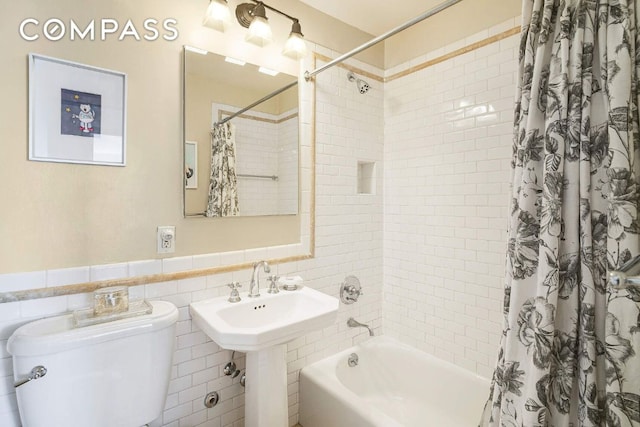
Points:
(223, 189)
(570, 350)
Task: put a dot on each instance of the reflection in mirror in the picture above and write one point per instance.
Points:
(248, 166)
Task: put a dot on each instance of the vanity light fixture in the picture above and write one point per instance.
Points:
(254, 17)
(218, 15)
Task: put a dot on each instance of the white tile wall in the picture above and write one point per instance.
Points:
(440, 139)
(447, 153)
(257, 152)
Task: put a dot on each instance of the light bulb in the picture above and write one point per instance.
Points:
(259, 32)
(295, 46)
(218, 15)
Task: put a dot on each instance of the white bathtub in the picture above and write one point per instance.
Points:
(393, 385)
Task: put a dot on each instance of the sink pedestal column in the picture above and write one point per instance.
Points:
(266, 397)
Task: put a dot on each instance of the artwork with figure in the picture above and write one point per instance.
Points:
(81, 113)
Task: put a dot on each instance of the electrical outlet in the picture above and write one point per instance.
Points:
(166, 239)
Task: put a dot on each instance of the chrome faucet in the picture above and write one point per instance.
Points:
(254, 286)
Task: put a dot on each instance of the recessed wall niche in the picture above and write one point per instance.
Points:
(366, 177)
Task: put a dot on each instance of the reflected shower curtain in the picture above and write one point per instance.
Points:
(570, 350)
(223, 188)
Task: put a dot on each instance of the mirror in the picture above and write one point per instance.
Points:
(265, 160)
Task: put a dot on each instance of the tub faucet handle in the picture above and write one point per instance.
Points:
(235, 295)
(354, 292)
(350, 290)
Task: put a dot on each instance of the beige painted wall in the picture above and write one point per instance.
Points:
(63, 215)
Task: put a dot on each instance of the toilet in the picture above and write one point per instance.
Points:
(112, 374)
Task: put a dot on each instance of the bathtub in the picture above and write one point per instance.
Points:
(392, 385)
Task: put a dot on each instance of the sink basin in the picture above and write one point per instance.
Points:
(255, 324)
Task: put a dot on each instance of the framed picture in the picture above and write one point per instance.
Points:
(77, 113)
(191, 164)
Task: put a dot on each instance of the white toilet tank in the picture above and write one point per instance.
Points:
(114, 374)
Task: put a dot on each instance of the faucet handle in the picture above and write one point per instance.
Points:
(235, 295)
(350, 290)
(353, 291)
(273, 287)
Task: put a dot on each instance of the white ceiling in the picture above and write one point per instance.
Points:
(373, 16)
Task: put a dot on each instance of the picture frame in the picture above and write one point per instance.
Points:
(77, 113)
(191, 165)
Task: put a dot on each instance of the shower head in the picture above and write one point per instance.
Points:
(363, 86)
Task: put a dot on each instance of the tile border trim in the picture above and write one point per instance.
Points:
(455, 53)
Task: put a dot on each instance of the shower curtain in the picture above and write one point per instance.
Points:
(223, 188)
(570, 349)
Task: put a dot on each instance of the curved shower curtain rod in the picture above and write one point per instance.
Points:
(308, 75)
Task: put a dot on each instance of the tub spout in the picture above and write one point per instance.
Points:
(352, 323)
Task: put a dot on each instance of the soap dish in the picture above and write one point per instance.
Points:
(290, 283)
(87, 316)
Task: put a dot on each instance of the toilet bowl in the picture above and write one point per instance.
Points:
(113, 374)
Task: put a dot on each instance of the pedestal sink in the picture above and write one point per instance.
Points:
(261, 327)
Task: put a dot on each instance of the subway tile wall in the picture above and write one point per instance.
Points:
(444, 136)
(447, 153)
(257, 152)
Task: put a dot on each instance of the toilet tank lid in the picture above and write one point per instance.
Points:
(56, 334)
